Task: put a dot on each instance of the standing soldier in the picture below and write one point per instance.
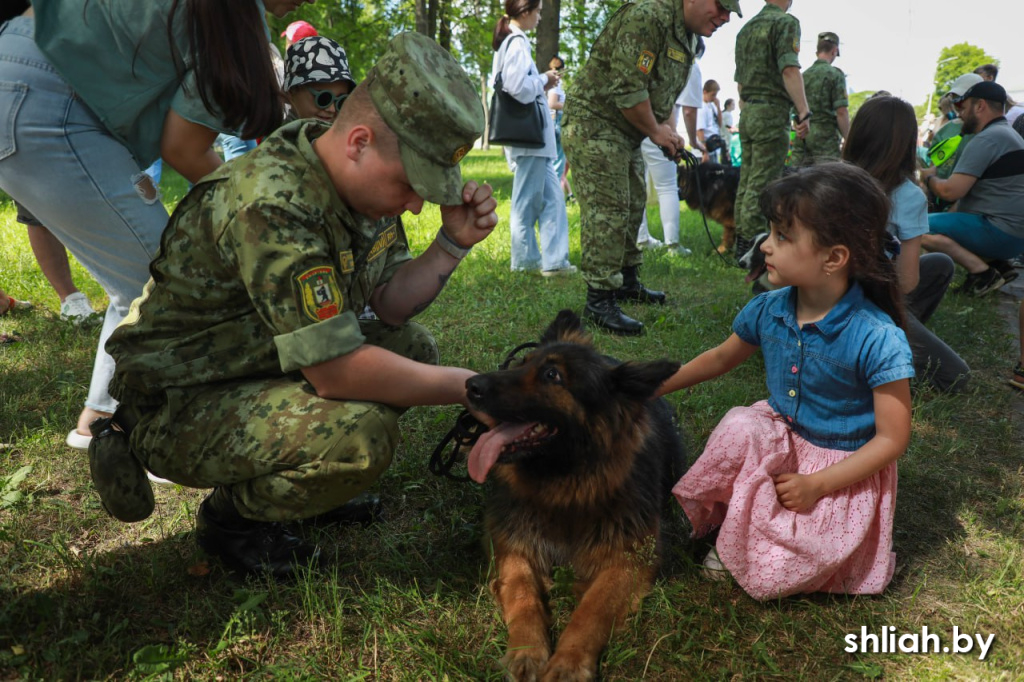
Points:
(826, 94)
(624, 93)
(770, 84)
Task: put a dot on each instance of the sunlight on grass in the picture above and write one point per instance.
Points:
(82, 596)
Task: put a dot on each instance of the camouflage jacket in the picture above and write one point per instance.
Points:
(766, 45)
(262, 270)
(825, 86)
(644, 52)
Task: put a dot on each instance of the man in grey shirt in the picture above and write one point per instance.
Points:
(988, 184)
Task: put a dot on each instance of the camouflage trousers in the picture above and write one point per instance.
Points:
(284, 452)
(608, 179)
(764, 139)
(821, 145)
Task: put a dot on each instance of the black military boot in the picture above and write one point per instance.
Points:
(249, 547)
(632, 290)
(361, 510)
(603, 311)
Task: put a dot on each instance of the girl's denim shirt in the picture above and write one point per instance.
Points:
(820, 377)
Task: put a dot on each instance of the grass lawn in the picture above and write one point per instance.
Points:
(84, 596)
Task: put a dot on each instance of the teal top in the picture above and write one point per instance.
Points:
(116, 55)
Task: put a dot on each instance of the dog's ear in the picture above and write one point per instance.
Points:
(565, 327)
(639, 380)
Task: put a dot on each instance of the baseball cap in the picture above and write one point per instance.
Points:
(425, 97)
(989, 90)
(297, 30)
(316, 60)
(831, 37)
(963, 83)
(732, 6)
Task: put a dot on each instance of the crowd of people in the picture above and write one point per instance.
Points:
(280, 384)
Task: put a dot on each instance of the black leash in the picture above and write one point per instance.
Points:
(466, 432)
(690, 161)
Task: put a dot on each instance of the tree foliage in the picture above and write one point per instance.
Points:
(463, 27)
(953, 62)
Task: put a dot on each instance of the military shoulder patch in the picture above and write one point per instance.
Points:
(388, 237)
(645, 62)
(319, 295)
(796, 45)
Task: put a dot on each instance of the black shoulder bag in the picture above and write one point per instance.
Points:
(513, 123)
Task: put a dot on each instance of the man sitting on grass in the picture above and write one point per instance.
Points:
(987, 227)
(243, 366)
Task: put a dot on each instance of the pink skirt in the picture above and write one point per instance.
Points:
(842, 544)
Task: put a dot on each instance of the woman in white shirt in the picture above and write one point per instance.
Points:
(536, 194)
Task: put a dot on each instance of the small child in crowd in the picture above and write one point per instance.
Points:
(317, 78)
(803, 485)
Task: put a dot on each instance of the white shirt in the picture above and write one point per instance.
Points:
(520, 78)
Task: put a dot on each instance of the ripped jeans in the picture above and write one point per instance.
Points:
(64, 166)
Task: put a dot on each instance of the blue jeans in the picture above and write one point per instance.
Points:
(975, 233)
(64, 166)
(537, 199)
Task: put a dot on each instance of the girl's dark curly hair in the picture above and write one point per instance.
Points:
(841, 204)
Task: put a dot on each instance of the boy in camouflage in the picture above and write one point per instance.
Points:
(243, 366)
(825, 86)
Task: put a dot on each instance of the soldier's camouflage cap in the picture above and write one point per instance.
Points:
(831, 37)
(426, 98)
(732, 6)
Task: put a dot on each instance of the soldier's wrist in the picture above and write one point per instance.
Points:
(450, 246)
(806, 116)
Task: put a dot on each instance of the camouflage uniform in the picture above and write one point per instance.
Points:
(262, 271)
(825, 86)
(766, 45)
(644, 52)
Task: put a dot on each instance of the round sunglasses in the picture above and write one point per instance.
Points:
(323, 99)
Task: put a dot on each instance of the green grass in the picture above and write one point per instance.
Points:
(83, 596)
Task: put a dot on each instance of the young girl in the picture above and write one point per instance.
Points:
(803, 485)
(883, 141)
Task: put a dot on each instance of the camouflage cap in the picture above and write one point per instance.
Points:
(831, 37)
(732, 6)
(426, 98)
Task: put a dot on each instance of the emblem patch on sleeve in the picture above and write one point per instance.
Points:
(645, 62)
(320, 296)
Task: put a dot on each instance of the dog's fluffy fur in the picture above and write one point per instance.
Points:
(581, 465)
(716, 198)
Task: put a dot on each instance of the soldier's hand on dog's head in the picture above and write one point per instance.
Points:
(470, 222)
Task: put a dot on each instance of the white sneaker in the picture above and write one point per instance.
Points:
(714, 569)
(76, 308)
(78, 441)
(677, 249)
(651, 242)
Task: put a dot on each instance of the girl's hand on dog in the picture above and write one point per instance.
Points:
(796, 492)
(470, 222)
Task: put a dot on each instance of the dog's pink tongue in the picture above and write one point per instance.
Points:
(487, 449)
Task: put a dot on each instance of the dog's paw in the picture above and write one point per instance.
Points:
(524, 664)
(571, 666)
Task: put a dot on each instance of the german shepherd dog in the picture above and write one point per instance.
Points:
(717, 196)
(581, 464)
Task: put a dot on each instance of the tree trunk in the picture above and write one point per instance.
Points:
(547, 33)
(422, 24)
(444, 28)
(484, 144)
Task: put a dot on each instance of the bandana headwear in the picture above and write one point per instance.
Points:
(316, 60)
